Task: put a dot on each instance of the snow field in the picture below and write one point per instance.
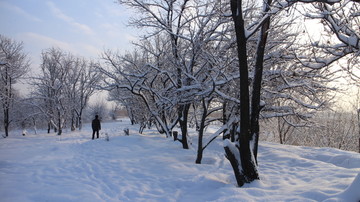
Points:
(150, 167)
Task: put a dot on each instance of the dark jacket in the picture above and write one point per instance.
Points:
(96, 124)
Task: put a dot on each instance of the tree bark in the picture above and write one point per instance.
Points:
(73, 121)
(59, 126)
(200, 149)
(259, 66)
(7, 100)
(183, 119)
(6, 122)
(224, 118)
(231, 156)
(248, 172)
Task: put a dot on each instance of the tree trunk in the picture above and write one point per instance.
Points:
(6, 121)
(201, 133)
(49, 127)
(80, 122)
(7, 100)
(59, 123)
(34, 123)
(73, 122)
(280, 130)
(233, 133)
(183, 119)
(224, 119)
(230, 154)
(259, 66)
(248, 171)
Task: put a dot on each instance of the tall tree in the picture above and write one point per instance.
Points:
(13, 65)
(243, 154)
(51, 85)
(248, 170)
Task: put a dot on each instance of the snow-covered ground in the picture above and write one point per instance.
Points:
(149, 167)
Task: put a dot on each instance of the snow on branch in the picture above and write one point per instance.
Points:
(226, 126)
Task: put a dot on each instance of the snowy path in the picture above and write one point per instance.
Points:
(151, 168)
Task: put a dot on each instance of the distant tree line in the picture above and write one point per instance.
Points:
(59, 94)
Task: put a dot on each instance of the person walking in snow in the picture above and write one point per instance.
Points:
(96, 126)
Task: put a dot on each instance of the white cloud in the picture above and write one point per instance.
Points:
(92, 50)
(116, 10)
(44, 42)
(116, 31)
(59, 14)
(38, 43)
(19, 11)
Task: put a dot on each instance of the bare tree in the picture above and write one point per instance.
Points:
(79, 86)
(63, 88)
(135, 74)
(245, 166)
(13, 65)
(177, 22)
(55, 68)
(294, 75)
(89, 79)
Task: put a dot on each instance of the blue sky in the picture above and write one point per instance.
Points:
(82, 27)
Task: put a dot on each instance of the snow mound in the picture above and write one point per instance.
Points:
(352, 193)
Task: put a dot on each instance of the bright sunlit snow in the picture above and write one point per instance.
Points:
(149, 167)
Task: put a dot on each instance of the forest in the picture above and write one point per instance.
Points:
(260, 70)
